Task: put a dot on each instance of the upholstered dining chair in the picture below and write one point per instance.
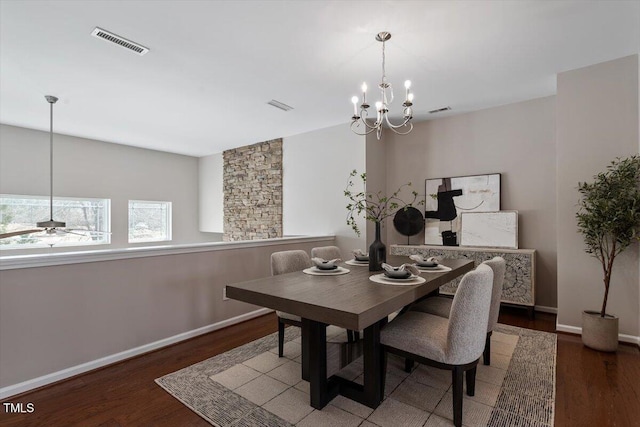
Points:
(455, 343)
(328, 253)
(441, 306)
(281, 263)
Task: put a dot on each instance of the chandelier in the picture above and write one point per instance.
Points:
(382, 105)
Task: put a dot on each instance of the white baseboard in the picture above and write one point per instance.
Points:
(545, 309)
(24, 386)
(569, 329)
(578, 331)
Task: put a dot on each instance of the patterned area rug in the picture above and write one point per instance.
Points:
(251, 386)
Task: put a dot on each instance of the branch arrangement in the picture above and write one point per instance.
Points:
(375, 206)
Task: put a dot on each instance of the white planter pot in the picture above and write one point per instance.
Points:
(599, 333)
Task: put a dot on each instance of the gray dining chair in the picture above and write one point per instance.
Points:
(328, 253)
(455, 343)
(441, 306)
(281, 263)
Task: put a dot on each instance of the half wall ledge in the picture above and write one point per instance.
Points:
(78, 257)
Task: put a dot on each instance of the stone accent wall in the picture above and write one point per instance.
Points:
(252, 186)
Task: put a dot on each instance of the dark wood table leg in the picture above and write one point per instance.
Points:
(371, 393)
(305, 350)
(322, 390)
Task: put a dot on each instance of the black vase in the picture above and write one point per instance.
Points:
(377, 252)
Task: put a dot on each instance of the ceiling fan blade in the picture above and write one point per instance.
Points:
(86, 231)
(18, 233)
(70, 232)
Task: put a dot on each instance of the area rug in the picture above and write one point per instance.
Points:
(251, 386)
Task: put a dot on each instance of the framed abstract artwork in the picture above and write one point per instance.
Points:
(447, 198)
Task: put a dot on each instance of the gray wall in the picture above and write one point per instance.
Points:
(211, 196)
(88, 168)
(316, 166)
(597, 121)
(516, 140)
(376, 164)
(53, 318)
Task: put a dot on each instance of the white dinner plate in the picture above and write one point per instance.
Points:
(381, 278)
(438, 269)
(325, 269)
(314, 271)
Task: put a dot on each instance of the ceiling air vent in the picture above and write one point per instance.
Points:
(120, 41)
(280, 105)
(440, 110)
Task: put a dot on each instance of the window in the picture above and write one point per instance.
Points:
(149, 221)
(23, 212)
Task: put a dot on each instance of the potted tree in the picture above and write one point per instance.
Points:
(608, 218)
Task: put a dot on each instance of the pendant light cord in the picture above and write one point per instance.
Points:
(384, 73)
(51, 160)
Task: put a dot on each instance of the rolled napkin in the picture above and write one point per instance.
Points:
(323, 264)
(404, 267)
(359, 255)
(422, 262)
(420, 258)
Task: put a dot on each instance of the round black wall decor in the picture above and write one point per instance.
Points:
(408, 221)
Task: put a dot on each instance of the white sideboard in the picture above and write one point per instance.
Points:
(520, 275)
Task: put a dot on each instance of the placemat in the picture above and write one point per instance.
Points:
(358, 263)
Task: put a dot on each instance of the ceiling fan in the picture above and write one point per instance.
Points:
(50, 227)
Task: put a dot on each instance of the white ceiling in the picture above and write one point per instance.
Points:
(214, 65)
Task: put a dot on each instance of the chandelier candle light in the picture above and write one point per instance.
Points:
(382, 106)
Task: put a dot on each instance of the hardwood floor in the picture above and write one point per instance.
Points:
(596, 388)
(592, 388)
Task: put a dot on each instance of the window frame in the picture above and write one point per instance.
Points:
(106, 222)
(168, 219)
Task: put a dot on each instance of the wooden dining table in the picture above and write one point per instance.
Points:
(351, 301)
